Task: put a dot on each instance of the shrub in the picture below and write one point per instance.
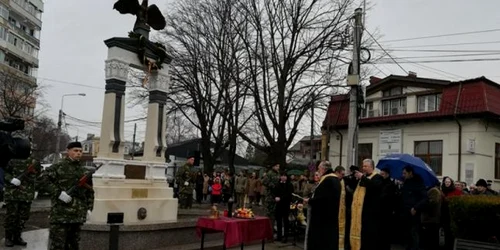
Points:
(475, 217)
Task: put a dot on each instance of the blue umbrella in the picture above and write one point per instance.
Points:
(396, 162)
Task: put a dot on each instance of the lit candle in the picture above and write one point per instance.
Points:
(244, 201)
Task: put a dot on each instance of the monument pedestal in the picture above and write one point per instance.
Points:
(127, 187)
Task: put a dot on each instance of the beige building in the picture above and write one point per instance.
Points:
(453, 126)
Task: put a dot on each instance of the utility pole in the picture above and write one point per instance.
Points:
(312, 128)
(133, 141)
(58, 137)
(353, 80)
(59, 125)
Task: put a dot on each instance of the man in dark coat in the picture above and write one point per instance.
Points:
(414, 200)
(324, 205)
(388, 199)
(366, 207)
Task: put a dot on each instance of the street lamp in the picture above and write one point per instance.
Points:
(59, 124)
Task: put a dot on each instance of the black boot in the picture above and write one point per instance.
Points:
(18, 241)
(8, 240)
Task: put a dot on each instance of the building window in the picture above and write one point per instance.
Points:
(497, 160)
(4, 12)
(396, 91)
(364, 152)
(428, 103)
(86, 148)
(431, 152)
(368, 110)
(394, 106)
(3, 33)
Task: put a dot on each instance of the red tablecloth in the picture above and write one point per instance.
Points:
(237, 231)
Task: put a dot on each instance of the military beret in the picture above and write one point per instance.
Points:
(75, 144)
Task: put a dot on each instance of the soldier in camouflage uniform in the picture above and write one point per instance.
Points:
(270, 182)
(20, 177)
(69, 209)
(185, 181)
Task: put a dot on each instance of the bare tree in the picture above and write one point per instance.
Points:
(207, 86)
(292, 48)
(18, 95)
(44, 135)
(179, 128)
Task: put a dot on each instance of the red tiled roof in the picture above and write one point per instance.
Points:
(473, 96)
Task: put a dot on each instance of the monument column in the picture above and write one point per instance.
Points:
(111, 142)
(154, 142)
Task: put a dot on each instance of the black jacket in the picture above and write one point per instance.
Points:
(284, 191)
(413, 195)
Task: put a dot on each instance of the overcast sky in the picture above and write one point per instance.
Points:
(72, 51)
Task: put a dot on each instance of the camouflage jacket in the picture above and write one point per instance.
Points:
(63, 176)
(270, 181)
(185, 174)
(21, 169)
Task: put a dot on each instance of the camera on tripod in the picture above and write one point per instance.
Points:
(12, 147)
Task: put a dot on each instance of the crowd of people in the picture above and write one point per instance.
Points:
(366, 209)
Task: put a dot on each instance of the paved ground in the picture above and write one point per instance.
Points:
(36, 232)
(38, 241)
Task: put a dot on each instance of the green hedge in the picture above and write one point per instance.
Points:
(475, 217)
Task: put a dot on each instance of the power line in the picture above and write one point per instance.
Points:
(97, 123)
(437, 71)
(80, 84)
(443, 35)
(451, 55)
(443, 50)
(70, 83)
(387, 53)
(379, 70)
(447, 61)
(444, 44)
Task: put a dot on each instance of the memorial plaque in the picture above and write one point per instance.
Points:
(139, 193)
(136, 172)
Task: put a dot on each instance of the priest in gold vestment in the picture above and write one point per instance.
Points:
(366, 216)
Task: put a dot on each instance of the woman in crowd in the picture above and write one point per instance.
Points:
(449, 190)
(216, 194)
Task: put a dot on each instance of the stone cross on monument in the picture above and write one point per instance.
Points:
(136, 188)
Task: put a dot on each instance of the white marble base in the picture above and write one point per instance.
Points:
(115, 194)
(115, 169)
(158, 210)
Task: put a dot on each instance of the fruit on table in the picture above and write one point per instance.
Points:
(244, 213)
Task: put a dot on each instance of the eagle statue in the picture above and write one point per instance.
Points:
(150, 15)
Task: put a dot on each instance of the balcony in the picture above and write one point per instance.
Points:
(376, 113)
(17, 73)
(396, 111)
(370, 113)
(25, 35)
(20, 9)
(22, 54)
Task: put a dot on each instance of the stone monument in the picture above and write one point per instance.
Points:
(136, 188)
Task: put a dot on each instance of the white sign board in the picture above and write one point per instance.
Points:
(469, 173)
(390, 142)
